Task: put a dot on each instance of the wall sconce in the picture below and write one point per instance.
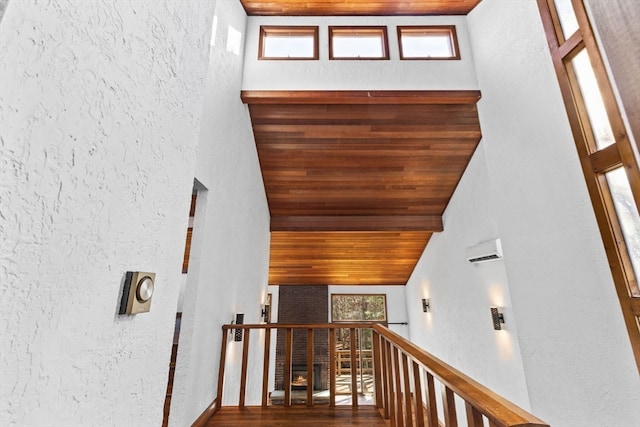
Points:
(497, 316)
(137, 292)
(237, 333)
(265, 313)
(426, 305)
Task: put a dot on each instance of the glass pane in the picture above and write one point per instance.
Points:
(426, 46)
(628, 217)
(358, 46)
(288, 46)
(593, 100)
(567, 16)
(355, 308)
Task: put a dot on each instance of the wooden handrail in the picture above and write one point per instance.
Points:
(402, 393)
(497, 409)
(345, 325)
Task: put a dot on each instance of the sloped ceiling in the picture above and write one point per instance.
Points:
(357, 181)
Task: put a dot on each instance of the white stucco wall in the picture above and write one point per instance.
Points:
(529, 191)
(100, 106)
(228, 270)
(458, 328)
(391, 74)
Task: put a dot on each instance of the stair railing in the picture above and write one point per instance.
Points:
(404, 379)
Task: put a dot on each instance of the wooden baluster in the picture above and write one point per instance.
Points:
(396, 374)
(377, 373)
(432, 408)
(287, 368)
(265, 367)
(354, 371)
(223, 354)
(310, 367)
(407, 389)
(385, 378)
(417, 397)
(391, 382)
(243, 375)
(449, 407)
(332, 367)
(474, 417)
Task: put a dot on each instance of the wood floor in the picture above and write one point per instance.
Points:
(317, 416)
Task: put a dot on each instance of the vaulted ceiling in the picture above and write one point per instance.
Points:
(357, 181)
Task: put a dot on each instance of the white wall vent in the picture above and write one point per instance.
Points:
(485, 251)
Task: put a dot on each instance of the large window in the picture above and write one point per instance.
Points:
(608, 162)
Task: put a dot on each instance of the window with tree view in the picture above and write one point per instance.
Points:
(358, 308)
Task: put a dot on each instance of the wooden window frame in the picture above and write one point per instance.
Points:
(449, 30)
(266, 30)
(386, 311)
(376, 30)
(597, 162)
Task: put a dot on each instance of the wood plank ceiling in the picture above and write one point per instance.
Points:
(358, 7)
(357, 181)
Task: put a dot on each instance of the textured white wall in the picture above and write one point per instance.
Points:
(525, 186)
(390, 74)
(458, 328)
(100, 105)
(228, 270)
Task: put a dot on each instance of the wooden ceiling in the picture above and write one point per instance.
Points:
(357, 7)
(357, 181)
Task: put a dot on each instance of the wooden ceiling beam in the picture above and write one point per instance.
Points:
(357, 7)
(334, 97)
(431, 223)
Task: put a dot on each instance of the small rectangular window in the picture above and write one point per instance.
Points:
(288, 43)
(430, 42)
(358, 43)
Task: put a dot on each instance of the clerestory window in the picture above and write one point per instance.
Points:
(428, 42)
(358, 43)
(288, 43)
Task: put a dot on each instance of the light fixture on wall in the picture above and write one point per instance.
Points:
(237, 333)
(137, 292)
(497, 316)
(426, 305)
(265, 313)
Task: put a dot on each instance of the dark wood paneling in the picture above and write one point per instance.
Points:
(357, 7)
(360, 97)
(339, 162)
(356, 223)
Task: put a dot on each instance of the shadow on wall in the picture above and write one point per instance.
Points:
(3, 7)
